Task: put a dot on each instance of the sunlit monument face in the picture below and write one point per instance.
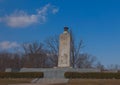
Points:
(64, 49)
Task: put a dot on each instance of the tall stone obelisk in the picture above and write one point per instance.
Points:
(64, 49)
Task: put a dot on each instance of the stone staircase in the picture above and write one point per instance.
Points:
(52, 81)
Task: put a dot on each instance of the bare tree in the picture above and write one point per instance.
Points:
(113, 67)
(75, 50)
(84, 61)
(35, 55)
(9, 60)
(52, 46)
(100, 66)
(15, 61)
(78, 60)
(4, 60)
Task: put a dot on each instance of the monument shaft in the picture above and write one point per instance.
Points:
(64, 49)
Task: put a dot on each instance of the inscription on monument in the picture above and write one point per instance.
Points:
(64, 49)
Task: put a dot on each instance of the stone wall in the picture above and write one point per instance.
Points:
(56, 72)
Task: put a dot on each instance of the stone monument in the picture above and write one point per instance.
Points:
(63, 63)
(64, 49)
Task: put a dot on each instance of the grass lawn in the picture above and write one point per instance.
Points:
(14, 81)
(94, 82)
(71, 82)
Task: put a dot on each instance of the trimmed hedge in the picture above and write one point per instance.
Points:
(92, 75)
(21, 75)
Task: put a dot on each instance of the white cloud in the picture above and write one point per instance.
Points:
(22, 19)
(44, 10)
(55, 10)
(8, 45)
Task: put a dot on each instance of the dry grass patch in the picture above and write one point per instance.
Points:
(71, 81)
(60, 84)
(94, 82)
(14, 81)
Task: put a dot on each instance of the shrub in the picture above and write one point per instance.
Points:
(21, 75)
(92, 75)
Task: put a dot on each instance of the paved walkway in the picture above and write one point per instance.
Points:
(46, 82)
(52, 81)
(28, 84)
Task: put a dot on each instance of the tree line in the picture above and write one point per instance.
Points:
(45, 55)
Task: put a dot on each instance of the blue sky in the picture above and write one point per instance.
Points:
(97, 22)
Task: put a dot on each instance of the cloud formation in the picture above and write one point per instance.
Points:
(54, 11)
(23, 19)
(5, 45)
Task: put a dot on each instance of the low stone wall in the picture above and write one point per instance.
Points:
(56, 72)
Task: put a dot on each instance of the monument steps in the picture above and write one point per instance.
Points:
(52, 81)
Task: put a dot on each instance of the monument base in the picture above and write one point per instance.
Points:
(57, 72)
